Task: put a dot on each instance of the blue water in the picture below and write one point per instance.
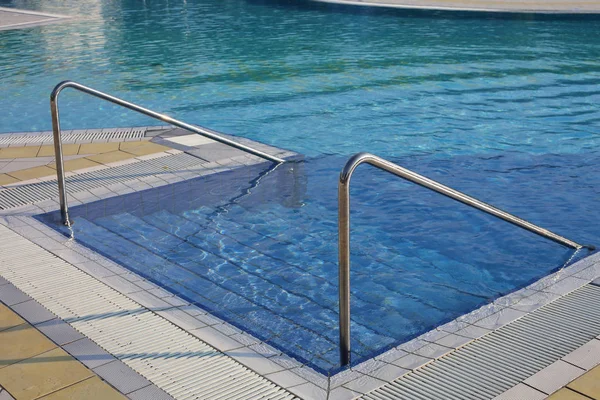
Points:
(502, 108)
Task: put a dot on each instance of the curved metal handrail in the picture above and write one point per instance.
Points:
(64, 211)
(344, 228)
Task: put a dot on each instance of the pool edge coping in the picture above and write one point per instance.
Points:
(350, 383)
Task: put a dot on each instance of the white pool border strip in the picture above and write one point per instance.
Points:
(262, 358)
(461, 7)
(49, 18)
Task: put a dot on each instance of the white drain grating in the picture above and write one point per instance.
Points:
(27, 194)
(495, 363)
(91, 135)
(172, 359)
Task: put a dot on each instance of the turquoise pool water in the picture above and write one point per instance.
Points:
(504, 109)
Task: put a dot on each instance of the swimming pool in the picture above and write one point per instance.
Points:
(503, 109)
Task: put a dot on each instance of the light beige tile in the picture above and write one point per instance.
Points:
(43, 374)
(79, 163)
(68, 150)
(19, 343)
(90, 389)
(32, 173)
(7, 179)
(19, 152)
(588, 384)
(113, 156)
(567, 394)
(98, 148)
(8, 318)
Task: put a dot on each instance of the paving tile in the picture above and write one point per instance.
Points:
(343, 377)
(308, 390)
(535, 301)
(190, 140)
(411, 361)
(590, 273)
(33, 312)
(142, 148)
(89, 353)
(111, 157)
(59, 331)
(389, 372)
(95, 269)
(67, 149)
(149, 393)
(286, 379)
(42, 374)
(254, 361)
(149, 301)
(554, 376)
(342, 393)
(565, 285)
(9, 319)
(159, 292)
(121, 284)
(500, 318)
(121, 377)
(588, 384)
(454, 341)
(391, 355)
(32, 173)
(182, 319)
(310, 375)
(567, 394)
(19, 152)
(89, 389)
(521, 392)
(79, 163)
(10, 295)
(7, 179)
(586, 356)
(176, 301)
(97, 148)
(364, 384)
(432, 351)
(215, 152)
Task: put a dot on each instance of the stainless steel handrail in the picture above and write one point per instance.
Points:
(344, 228)
(64, 211)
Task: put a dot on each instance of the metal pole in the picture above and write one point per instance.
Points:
(344, 228)
(115, 100)
(60, 173)
(344, 269)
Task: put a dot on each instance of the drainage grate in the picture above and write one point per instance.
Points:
(175, 361)
(27, 194)
(91, 135)
(495, 363)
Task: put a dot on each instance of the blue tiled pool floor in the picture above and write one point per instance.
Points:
(264, 257)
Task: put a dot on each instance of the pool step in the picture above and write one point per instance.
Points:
(251, 310)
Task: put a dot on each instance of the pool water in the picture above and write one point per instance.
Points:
(504, 109)
(264, 256)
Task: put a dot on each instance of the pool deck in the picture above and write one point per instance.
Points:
(497, 6)
(13, 18)
(172, 348)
